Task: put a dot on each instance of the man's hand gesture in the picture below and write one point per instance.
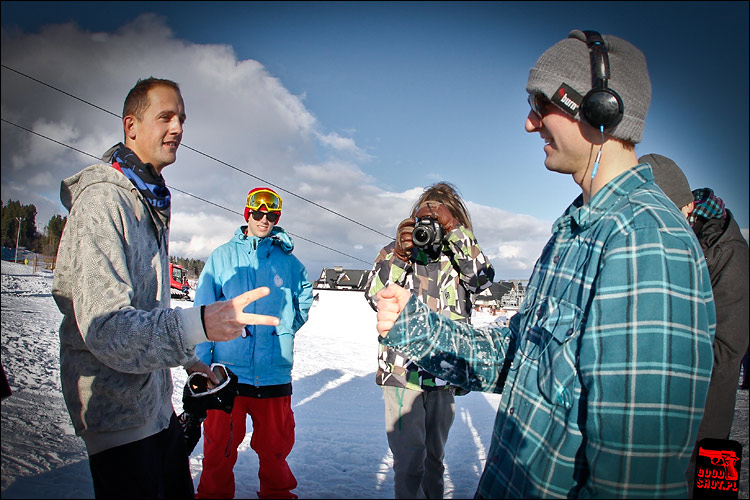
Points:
(225, 320)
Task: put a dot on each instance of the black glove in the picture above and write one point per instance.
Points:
(195, 408)
(404, 243)
(191, 428)
(220, 400)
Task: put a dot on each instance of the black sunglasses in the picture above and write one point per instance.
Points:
(540, 105)
(271, 216)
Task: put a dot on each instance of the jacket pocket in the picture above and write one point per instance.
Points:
(559, 326)
(283, 349)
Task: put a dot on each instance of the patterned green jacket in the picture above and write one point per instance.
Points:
(446, 284)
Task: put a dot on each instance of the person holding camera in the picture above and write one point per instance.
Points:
(437, 257)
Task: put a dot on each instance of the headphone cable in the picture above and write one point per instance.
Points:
(596, 164)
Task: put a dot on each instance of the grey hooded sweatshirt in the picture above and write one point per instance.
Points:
(118, 336)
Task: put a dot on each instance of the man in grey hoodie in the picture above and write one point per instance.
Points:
(119, 337)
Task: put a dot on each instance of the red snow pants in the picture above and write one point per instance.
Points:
(272, 440)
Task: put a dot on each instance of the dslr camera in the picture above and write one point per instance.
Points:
(427, 232)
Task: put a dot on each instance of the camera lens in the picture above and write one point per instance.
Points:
(422, 236)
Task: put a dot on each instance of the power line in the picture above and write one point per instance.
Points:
(207, 155)
(61, 91)
(181, 191)
(295, 235)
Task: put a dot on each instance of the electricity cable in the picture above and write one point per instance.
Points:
(206, 155)
(181, 191)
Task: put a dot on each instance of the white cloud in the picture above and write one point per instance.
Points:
(343, 144)
(248, 130)
(512, 241)
(185, 238)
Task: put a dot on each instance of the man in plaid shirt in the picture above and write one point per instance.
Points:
(605, 368)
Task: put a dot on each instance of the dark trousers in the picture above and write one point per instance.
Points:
(154, 467)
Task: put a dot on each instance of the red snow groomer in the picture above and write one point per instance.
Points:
(178, 282)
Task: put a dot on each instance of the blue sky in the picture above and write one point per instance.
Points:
(386, 98)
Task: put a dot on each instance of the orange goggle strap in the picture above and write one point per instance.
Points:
(259, 197)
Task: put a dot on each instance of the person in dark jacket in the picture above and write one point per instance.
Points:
(5, 390)
(727, 256)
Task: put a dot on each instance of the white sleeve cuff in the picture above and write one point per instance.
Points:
(192, 327)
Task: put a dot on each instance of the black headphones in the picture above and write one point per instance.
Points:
(601, 106)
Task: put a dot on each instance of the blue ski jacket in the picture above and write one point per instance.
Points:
(264, 355)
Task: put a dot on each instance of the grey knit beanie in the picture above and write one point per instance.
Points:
(568, 62)
(670, 178)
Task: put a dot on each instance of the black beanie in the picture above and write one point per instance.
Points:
(669, 177)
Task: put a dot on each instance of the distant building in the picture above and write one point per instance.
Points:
(507, 295)
(514, 298)
(337, 278)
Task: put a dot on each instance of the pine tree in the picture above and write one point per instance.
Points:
(194, 267)
(54, 231)
(11, 212)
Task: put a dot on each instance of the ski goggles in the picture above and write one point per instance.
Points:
(272, 217)
(198, 382)
(259, 197)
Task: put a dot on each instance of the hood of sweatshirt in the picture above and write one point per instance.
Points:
(72, 187)
(278, 237)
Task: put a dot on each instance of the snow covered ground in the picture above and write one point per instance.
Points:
(341, 449)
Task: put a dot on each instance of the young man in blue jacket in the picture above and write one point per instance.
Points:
(605, 368)
(260, 252)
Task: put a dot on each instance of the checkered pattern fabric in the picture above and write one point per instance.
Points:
(605, 368)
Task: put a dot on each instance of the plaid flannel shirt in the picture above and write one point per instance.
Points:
(604, 369)
(447, 284)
